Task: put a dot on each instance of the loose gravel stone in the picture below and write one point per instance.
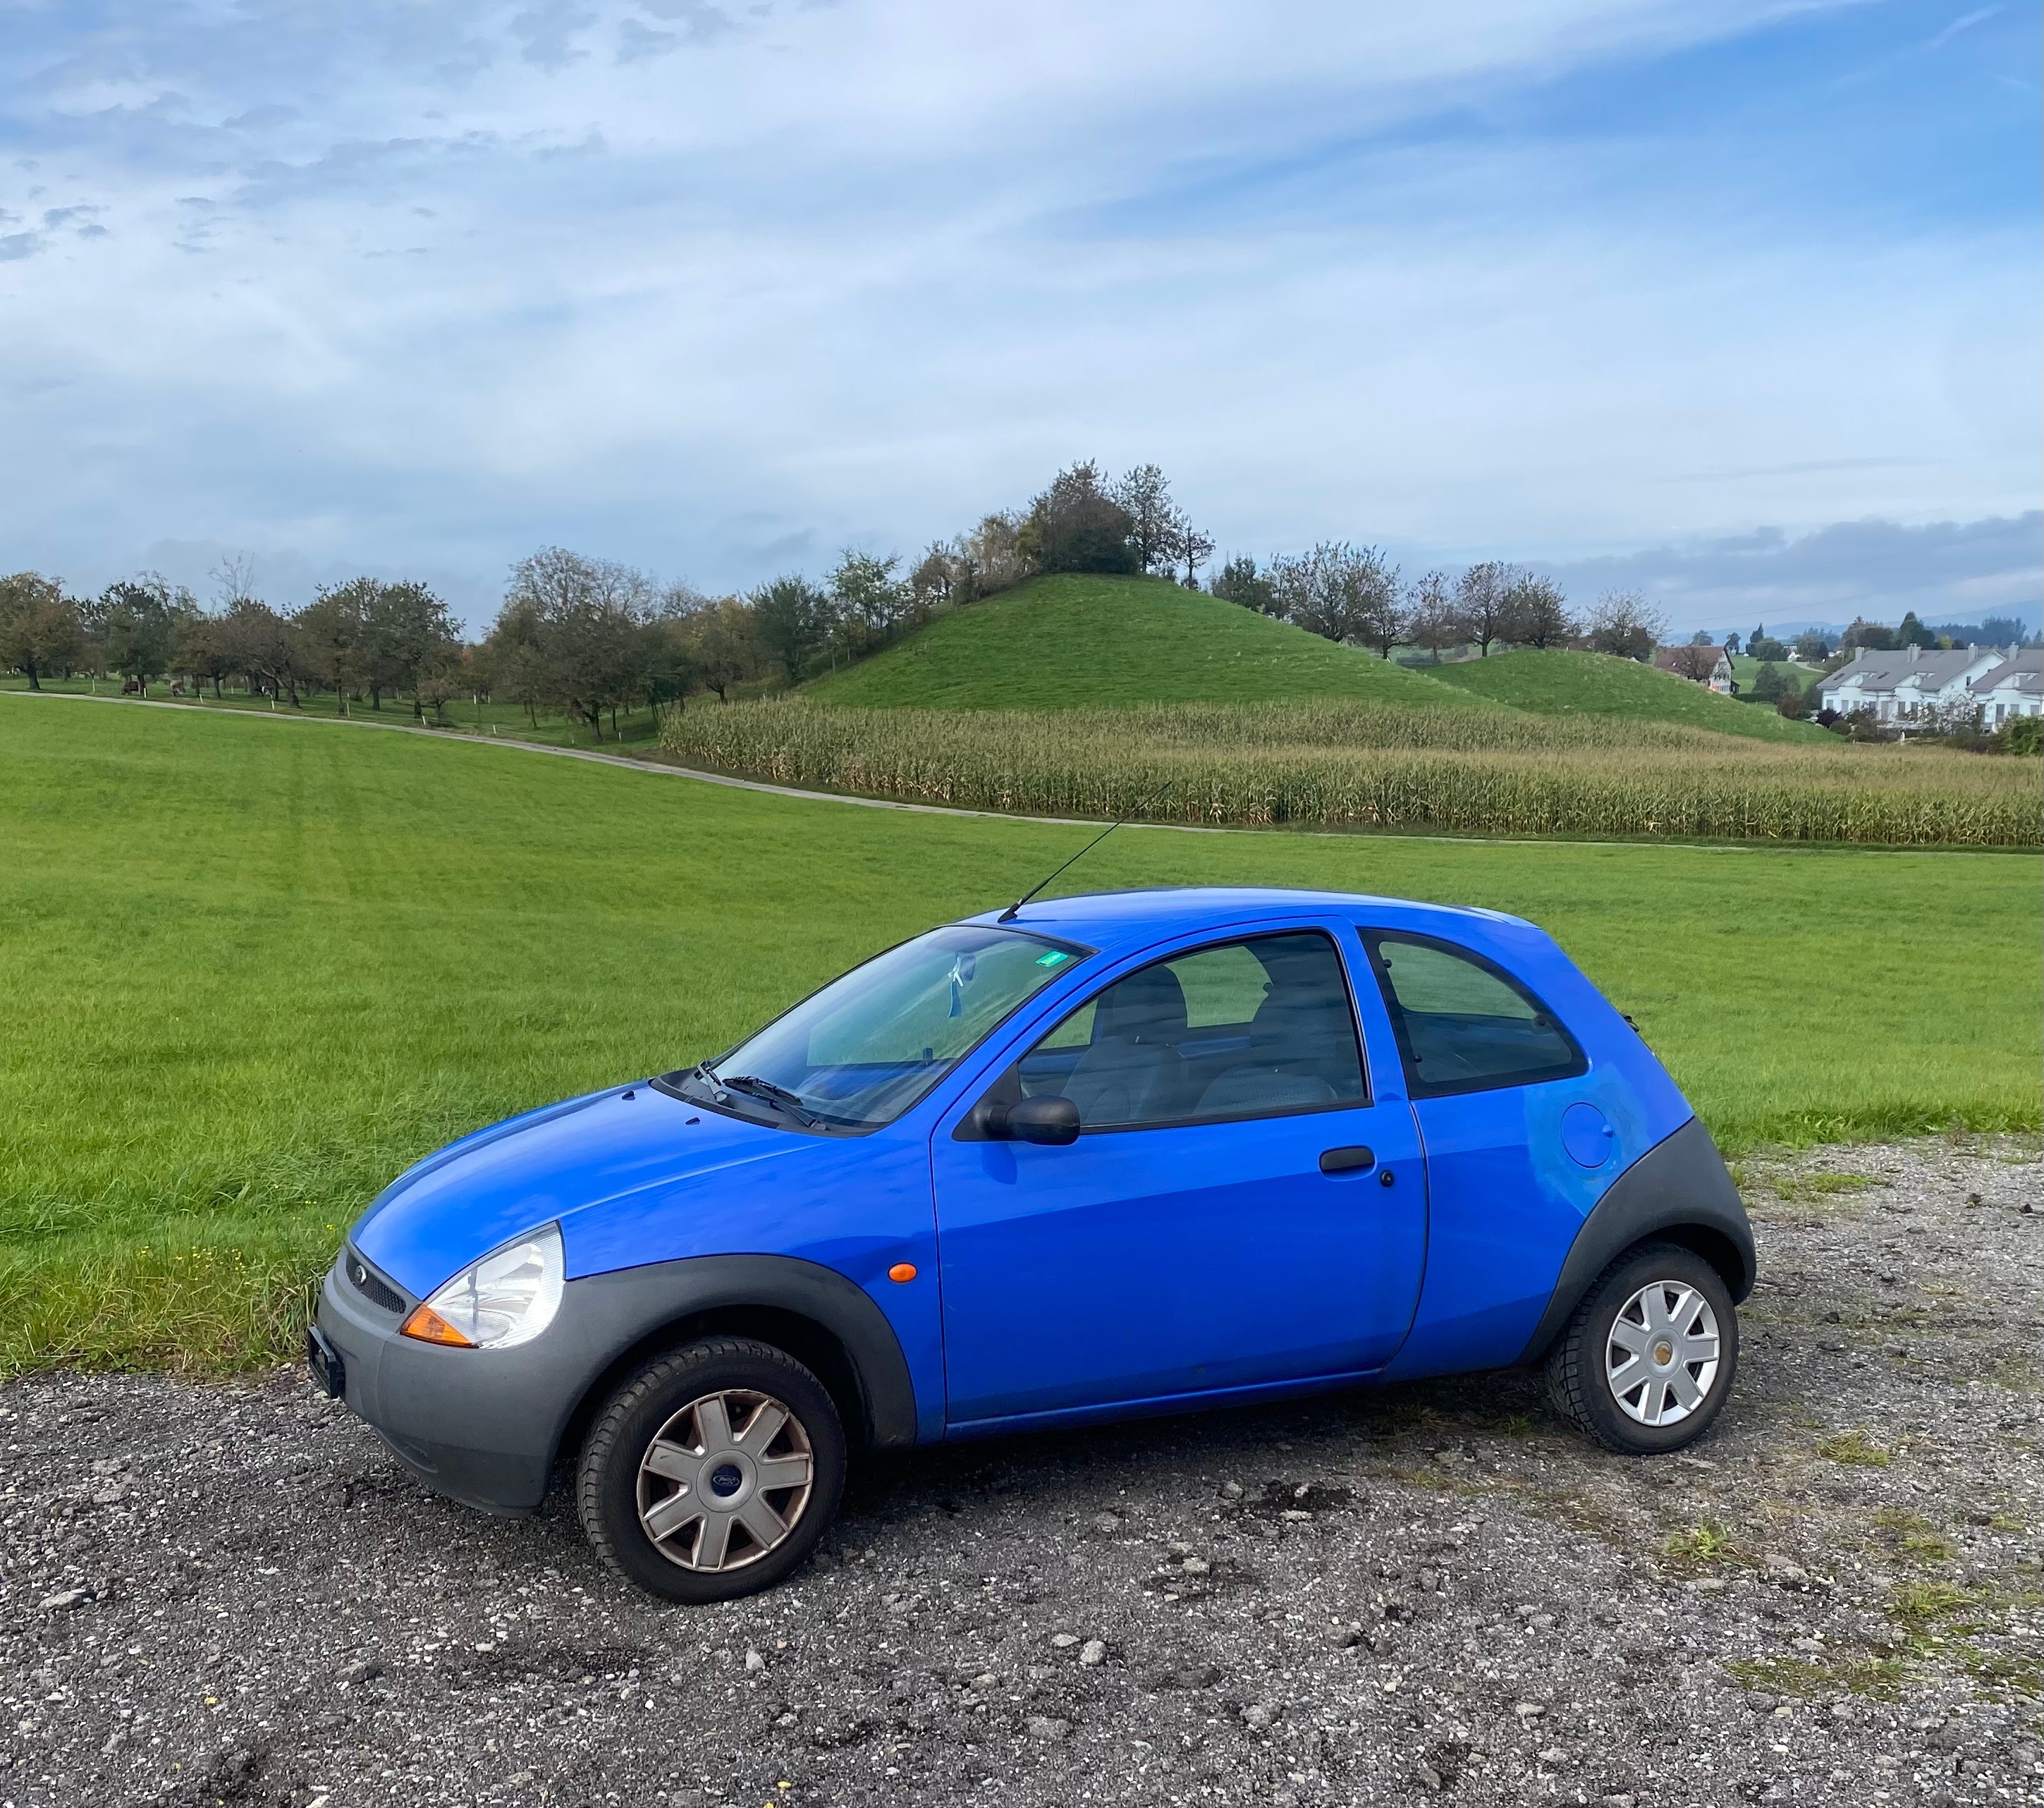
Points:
(215, 1594)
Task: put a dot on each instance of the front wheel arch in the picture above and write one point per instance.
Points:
(818, 1316)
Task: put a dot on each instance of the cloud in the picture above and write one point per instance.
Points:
(714, 288)
(1944, 570)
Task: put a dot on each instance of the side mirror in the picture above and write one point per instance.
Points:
(1054, 1119)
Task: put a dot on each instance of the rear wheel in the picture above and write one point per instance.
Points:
(1646, 1361)
(713, 1472)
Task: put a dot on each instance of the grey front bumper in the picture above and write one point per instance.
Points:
(484, 1425)
(481, 1426)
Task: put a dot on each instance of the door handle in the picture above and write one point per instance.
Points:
(1352, 1160)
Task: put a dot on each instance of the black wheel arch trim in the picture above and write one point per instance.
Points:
(644, 1310)
(1679, 1191)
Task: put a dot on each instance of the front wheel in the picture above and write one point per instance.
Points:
(713, 1472)
(1646, 1361)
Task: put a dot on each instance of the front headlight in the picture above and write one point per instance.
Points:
(507, 1298)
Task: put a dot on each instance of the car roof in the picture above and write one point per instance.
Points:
(1109, 920)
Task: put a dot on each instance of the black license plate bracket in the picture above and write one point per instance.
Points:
(329, 1372)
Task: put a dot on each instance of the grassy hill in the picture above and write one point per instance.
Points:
(1746, 670)
(256, 968)
(1059, 642)
(1594, 684)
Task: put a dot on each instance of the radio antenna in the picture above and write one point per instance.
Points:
(1008, 915)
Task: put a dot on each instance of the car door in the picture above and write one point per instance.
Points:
(1520, 1136)
(1237, 1211)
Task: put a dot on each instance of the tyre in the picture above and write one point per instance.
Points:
(1644, 1364)
(713, 1472)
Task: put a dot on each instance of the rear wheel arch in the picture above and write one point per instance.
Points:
(1678, 1192)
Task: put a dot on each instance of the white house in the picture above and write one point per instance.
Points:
(1901, 687)
(2014, 687)
(1683, 661)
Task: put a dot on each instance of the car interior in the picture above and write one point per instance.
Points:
(1241, 1029)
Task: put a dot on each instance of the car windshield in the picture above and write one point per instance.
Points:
(858, 1053)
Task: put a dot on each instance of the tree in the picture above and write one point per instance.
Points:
(40, 629)
(137, 620)
(1144, 494)
(2001, 631)
(1813, 648)
(407, 632)
(1731, 645)
(1479, 604)
(1913, 634)
(1768, 684)
(448, 671)
(1694, 663)
(1626, 625)
(1336, 590)
(1766, 648)
(1536, 613)
(1239, 582)
(510, 661)
(266, 647)
(1702, 638)
(668, 668)
(935, 583)
(1433, 623)
(1870, 635)
(726, 646)
(583, 618)
(1794, 703)
(1191, 548)
(1076, 526)
(990, 559)
(1381, 618)
(335, 627)
(202, 650)
(870, 599)
(792, 617)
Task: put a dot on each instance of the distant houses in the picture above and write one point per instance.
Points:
(2013, 688)
(1913, 685)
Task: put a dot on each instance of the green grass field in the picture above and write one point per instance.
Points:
(1746, 670)
(256, 968)
(1594, 684)
(1057, 643)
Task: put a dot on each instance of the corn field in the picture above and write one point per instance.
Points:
(1363, 766)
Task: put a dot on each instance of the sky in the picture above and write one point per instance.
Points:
(1738, 303)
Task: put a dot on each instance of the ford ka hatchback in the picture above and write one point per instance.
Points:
(1095, 1157)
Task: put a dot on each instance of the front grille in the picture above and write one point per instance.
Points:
(372, 1285)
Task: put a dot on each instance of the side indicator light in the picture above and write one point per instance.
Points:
(429, 1327)
(902, 1271)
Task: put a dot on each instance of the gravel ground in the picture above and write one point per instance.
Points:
(227, 1594)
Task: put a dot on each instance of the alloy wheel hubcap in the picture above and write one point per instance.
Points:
(725, 1481)
(1661, 1360)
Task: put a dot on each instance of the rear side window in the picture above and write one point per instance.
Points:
(1465, 1025)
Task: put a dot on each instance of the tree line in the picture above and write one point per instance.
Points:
(587, 638)
(584, 637)
(1355, 593)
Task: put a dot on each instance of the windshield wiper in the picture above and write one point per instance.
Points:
(755, 1087)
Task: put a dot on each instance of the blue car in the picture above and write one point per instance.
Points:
(1099, 1156)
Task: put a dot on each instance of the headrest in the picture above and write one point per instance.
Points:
(1148, 1006)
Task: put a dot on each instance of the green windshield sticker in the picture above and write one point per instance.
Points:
(1054, 958)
